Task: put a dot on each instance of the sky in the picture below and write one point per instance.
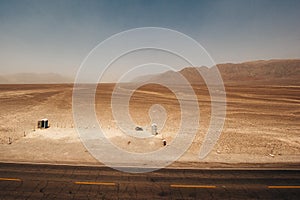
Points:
(55, 36)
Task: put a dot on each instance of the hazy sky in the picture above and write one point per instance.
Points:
(55, 36)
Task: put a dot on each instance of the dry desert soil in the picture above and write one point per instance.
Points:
(261, 125)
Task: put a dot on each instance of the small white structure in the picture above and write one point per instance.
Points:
(43, 123)
(154, 129)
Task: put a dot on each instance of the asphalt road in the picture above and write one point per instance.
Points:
(32, 181)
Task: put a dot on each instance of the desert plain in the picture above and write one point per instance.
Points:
(261, 125)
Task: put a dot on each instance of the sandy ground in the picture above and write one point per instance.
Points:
(262, 124)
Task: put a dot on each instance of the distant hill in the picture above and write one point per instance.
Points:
(33, 78)
(277, 71)
(254, 72)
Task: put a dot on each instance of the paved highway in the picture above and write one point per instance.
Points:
(41, 181)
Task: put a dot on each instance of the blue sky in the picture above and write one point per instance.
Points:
(55, 36)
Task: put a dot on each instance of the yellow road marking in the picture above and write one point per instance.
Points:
(94, 183)
(284, 186)
(192, 186)
(10, 179)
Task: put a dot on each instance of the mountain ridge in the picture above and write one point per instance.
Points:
(276, 71)
(34, 78)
